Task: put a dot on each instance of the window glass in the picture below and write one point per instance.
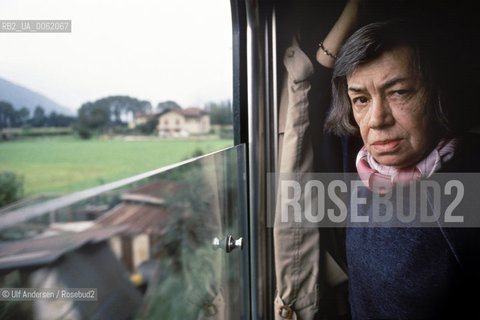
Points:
(80, 109)
(153, 246)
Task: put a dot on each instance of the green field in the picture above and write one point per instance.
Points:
(67, 164)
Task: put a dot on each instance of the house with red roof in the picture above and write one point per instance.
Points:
(183, 122)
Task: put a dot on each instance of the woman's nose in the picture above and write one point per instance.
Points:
(380, 114)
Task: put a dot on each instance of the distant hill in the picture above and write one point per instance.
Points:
(19, 97)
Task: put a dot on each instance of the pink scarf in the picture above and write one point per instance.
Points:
(381, 179)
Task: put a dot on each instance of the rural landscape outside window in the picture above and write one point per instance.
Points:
(132, 87)
(122, 195)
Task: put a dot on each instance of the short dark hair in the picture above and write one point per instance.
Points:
(368, 43)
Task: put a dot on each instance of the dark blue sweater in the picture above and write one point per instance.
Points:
(417, 273)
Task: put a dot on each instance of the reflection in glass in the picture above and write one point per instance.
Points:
(146, 247)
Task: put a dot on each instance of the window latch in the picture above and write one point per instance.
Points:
(228, 243)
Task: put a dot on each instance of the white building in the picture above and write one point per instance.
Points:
(183, 122)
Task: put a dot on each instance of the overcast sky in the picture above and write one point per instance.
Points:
(152, 50)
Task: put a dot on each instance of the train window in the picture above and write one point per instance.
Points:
(89, 96)
(148, 90)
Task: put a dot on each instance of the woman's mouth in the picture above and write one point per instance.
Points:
(385, 145)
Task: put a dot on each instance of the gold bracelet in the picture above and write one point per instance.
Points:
(326, 52)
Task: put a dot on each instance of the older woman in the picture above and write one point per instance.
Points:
(388, 88)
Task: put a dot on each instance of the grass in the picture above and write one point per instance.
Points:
(38, 132)
(67, 164)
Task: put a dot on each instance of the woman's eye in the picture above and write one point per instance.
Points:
(402, 95)
(401, 92)
(360, 100)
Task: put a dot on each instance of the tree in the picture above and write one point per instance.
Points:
(83, 132)
(39, 119)
(120, 106)
(7, 115)
(220, 113)
(149, 126)
(93, 115)
(59, 120)
(21, 117)
(52, 119)
(169, 104)
(103, 114)
(11, 187)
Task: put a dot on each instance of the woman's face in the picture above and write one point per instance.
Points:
(389, 106)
